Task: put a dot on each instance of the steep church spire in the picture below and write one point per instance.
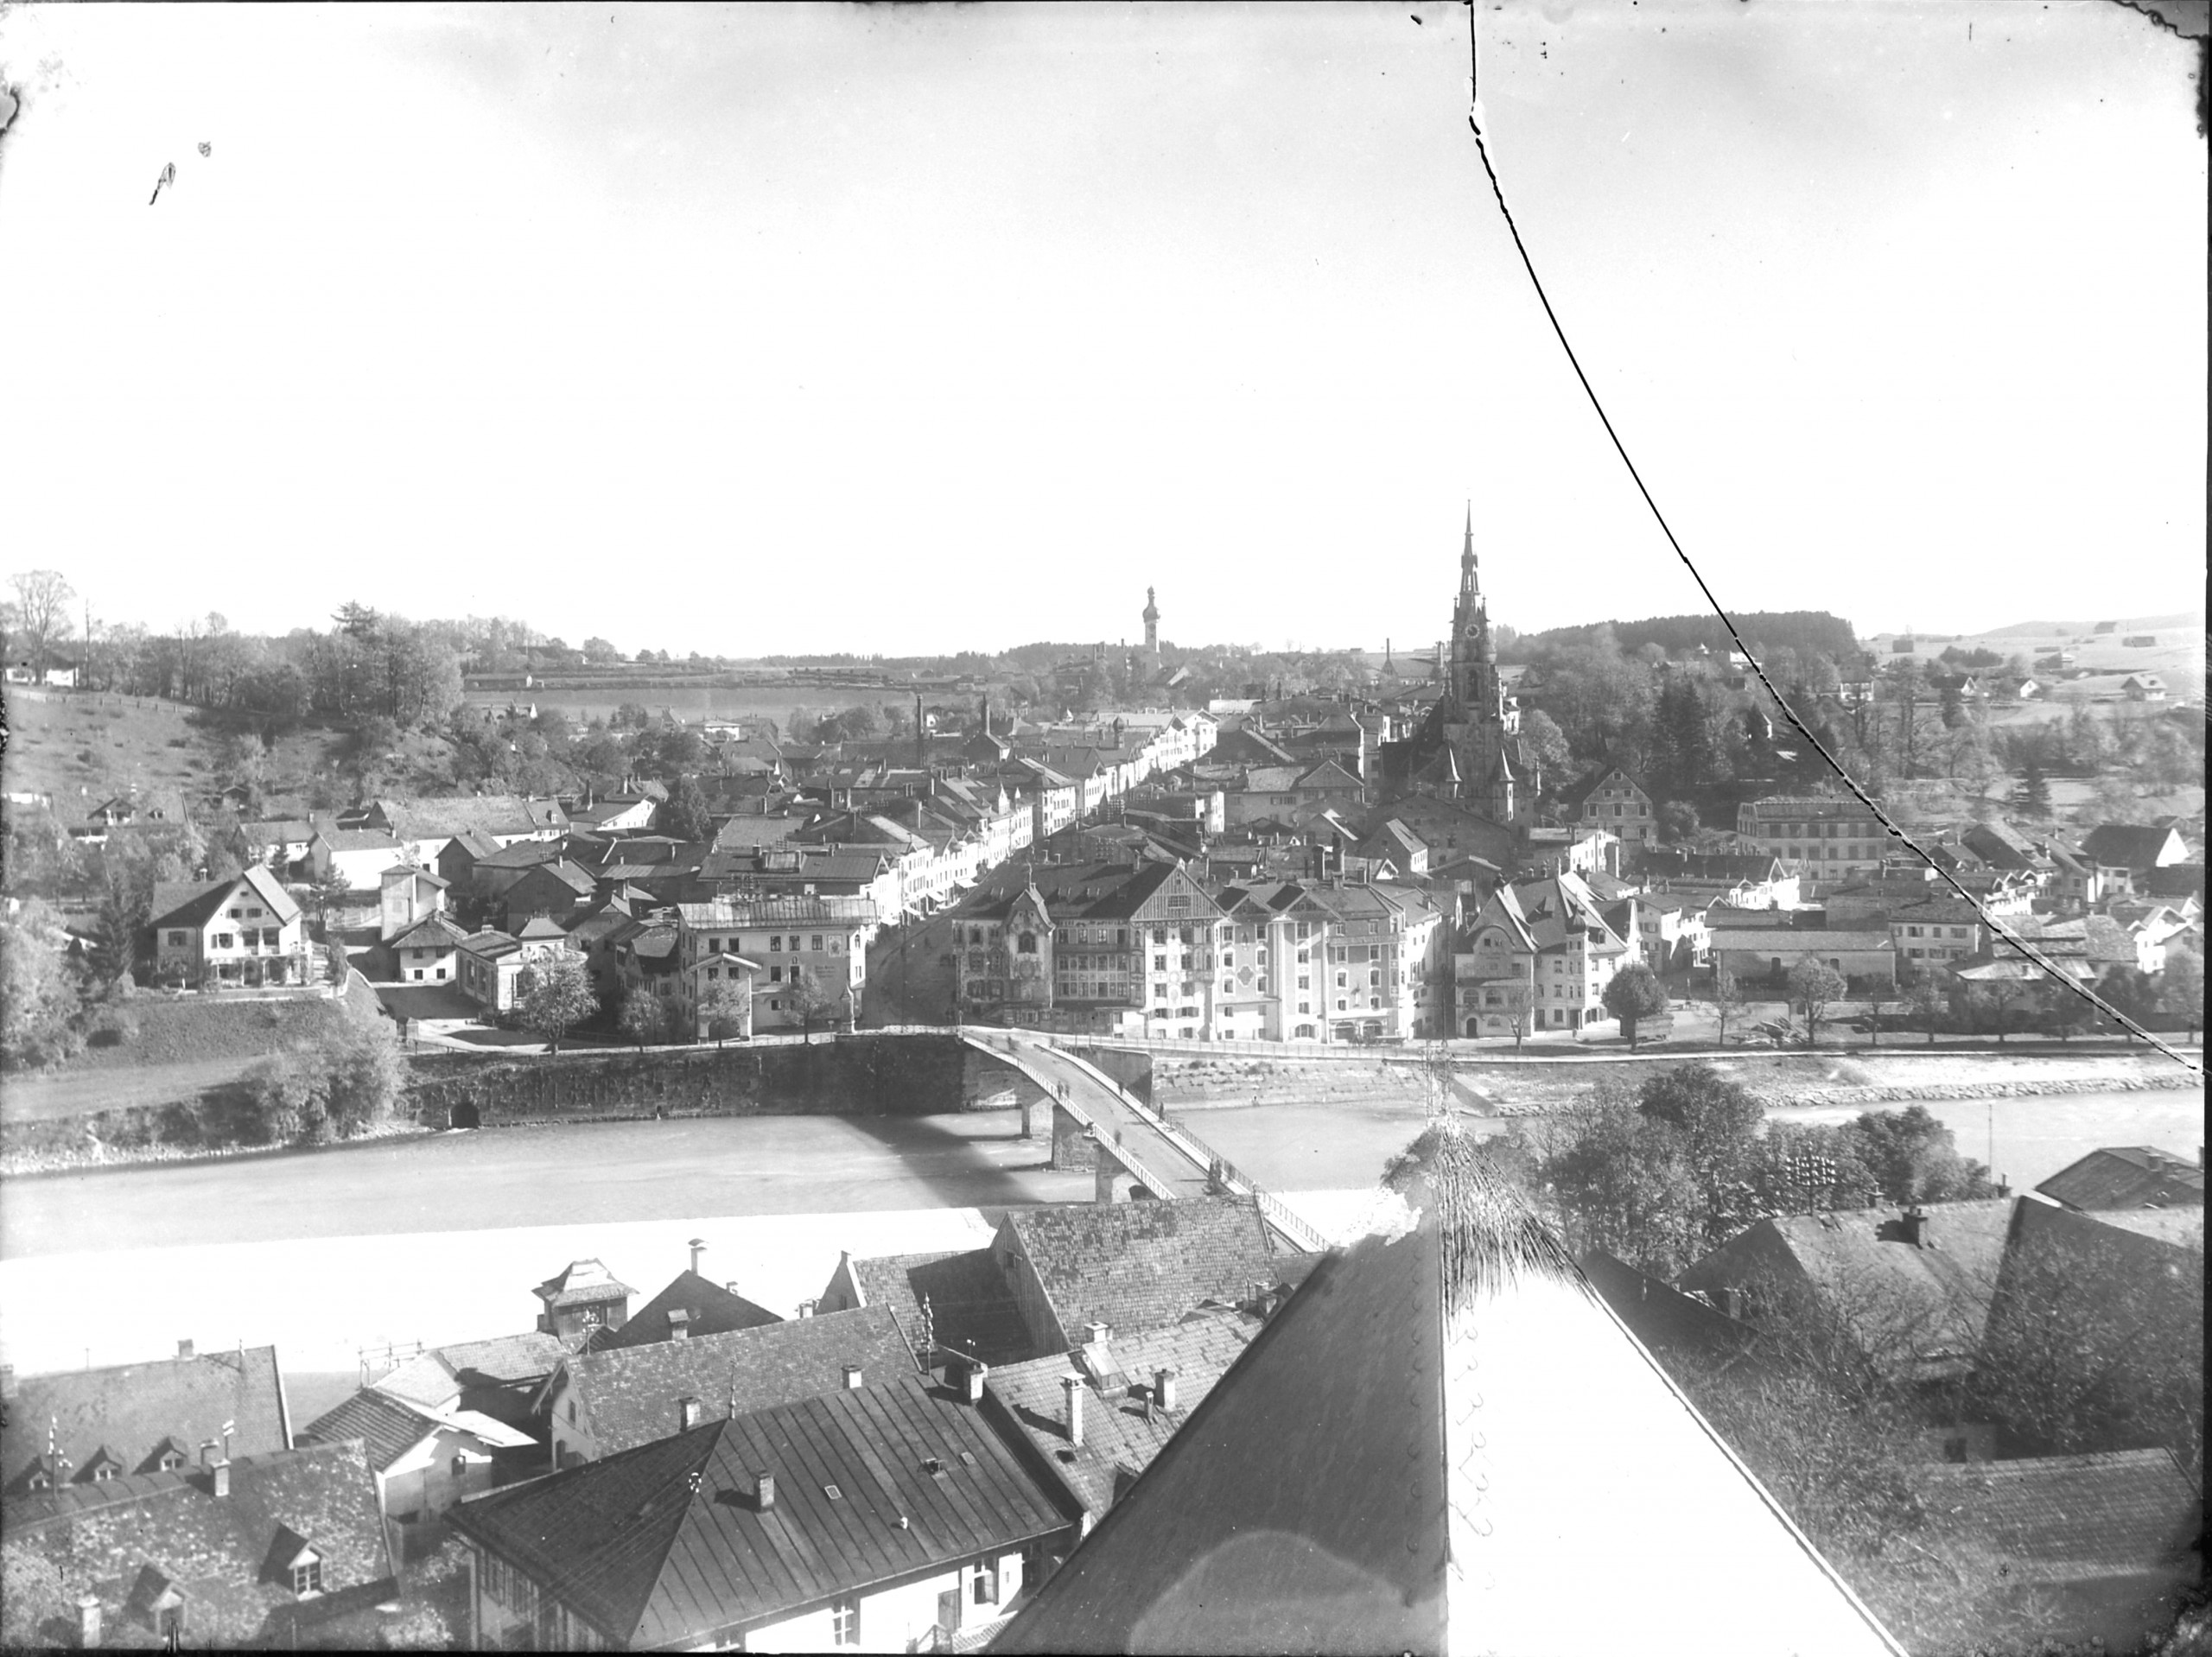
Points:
(1468, 584)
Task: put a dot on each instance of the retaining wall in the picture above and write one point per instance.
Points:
(853, 1075)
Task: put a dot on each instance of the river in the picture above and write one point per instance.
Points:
(440, 1238)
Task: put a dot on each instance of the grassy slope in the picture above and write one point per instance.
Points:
(83, 749)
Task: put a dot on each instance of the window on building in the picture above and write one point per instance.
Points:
(983, 1583)
(775, 974)
(817, 942)
(177, 938)
(845, 1623)
(307, 1575)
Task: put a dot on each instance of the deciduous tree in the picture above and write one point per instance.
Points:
(42, 620)
(1633, 994)
(553, 996)
(1814, 987)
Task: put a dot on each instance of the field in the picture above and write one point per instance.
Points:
(182, 1046)
(79, 749)
(2178, 657)
(693, 702)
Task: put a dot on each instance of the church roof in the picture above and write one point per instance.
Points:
(1437, 1445)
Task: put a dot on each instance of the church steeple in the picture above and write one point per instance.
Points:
(1469, 585)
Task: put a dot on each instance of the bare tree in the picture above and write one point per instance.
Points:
(41, 610)
(1813, 988)
(1727, 1003)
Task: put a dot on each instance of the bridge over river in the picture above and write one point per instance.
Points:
(1163, 1159)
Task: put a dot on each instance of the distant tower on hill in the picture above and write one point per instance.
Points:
(1152, 626)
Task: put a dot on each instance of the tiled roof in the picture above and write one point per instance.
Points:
(1917, 1310)
(1124, 1425)
(667, 1543)
(1141, 1265)
(388, 1427)
(2127, 1176)
(971, 1310)
(503, 1360)
(431, 932)
(230, 1558)
(710, 1309)
(358, 839)
(2068, 1519)
(130, 1409)
(195, 905)
(1660, 1315)
(630, 1394)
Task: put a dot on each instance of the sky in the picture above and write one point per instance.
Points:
(901, 330)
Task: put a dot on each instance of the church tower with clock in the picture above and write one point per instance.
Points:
(1468, 749)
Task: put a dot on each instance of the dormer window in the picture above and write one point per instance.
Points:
(307, 1574)
(171, 1461)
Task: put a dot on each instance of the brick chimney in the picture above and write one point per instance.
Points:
(687, 1413)
(679, 1324)
(763, 1490)
(806, 1308)
(1072, 1418)
(88, 1621)
(1914, 1224)
(971, 1383)
(184, 1349)
(1163, 1388)
(853, 1381)
(221, 1471)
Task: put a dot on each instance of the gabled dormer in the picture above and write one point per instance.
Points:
(171, 1455)
(100, 1467)
(293, 1562)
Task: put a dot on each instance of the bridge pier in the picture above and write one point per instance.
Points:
(1073, 1149)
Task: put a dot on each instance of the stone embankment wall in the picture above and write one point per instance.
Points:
(1905, 1092)
(860, 1075)
(1197, 1083)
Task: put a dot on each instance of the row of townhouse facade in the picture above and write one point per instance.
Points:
(1152, 950)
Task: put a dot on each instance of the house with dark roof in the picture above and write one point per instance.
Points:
(559, 890)
(1671, 1324)
(2127, 1176)
(2094, 1548)
(427, 825)
(2097, 1316)
(599, 1403)
(891, 1516)
(1913, 1288)
(86, 1426)
(1436, 1446)
(428, 952)
(1539, 950)
(247, 930)
(283, 1549)
(424, 1460)
(689, 1307)
(278, 843)
(953, 1301)
(2126, 853)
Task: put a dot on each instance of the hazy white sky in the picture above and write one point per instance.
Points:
(922, 329)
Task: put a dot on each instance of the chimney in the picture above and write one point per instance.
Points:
(971, 1384)
(1071, 1385)
(221, 1470)
(184, 1349)
(679, 1324)
(1163, 1388)
(852, 1378)
(1095, 1334)
(729, 1285)
(88, 1621)
(687, 1413)
(1914, 1224)
(697, 1245)
(1263, 1295)
(763, 1491)
(1732, 1302)
(806, 1308)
